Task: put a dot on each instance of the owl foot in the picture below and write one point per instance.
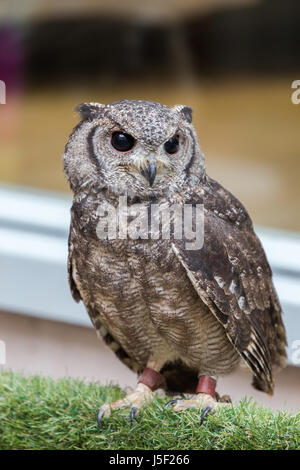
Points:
(136, 400)
(202, 400)
(206, 398)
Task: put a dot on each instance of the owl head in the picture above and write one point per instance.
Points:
(139, 147)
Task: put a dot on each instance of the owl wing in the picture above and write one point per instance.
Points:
(233, 278)
(74, 290)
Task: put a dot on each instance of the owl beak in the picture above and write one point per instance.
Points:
(150, 172)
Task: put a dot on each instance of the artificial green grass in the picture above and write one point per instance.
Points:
(41, 413)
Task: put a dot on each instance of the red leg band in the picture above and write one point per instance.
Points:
(206, 385)
(152, 379)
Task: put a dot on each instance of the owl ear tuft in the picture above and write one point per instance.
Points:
(89, 110)
(185, 111)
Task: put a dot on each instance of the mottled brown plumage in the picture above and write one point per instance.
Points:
(190, 311)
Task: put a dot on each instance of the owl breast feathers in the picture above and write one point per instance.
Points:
(193, 311)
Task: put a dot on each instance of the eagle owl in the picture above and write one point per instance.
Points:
(178, 317)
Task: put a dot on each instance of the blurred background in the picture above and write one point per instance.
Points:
(232, 61)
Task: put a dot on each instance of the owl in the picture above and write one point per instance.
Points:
(180, 316)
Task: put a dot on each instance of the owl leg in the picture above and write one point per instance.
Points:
(204, 399)
(149, 381)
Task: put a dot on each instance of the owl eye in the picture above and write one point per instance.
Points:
(172, 145)
(122, 142)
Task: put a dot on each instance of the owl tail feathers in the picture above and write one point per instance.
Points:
(279, 362)
(263, 385)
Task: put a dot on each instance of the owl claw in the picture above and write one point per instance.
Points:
(204, 414)
(171, 402)
(99, 417)
(133, 414)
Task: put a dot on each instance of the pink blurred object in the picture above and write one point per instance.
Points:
(11, 58)
(11, 73)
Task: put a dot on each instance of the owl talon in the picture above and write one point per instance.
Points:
(99, 417)
(204, 414)
(171, 402)
(134, 412)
